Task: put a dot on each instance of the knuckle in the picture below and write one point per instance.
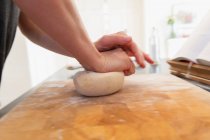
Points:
(122, 33)
(104, 38)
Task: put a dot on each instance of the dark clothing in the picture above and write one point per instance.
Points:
(9, 15)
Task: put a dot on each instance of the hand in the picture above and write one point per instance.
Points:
(122, 40)
(114, 60)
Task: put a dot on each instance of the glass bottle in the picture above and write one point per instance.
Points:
(154, 51)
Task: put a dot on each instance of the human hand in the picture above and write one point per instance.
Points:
(122, 40)
(114, 60)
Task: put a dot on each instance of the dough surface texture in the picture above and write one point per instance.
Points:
(98, 84)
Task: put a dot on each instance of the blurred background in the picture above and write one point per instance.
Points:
(165, 24)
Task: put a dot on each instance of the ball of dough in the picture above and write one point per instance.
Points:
(98, 84)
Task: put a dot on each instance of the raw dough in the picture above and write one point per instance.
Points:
(98, 84)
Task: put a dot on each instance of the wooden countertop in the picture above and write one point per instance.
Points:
(149, 107)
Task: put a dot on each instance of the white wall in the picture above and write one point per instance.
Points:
(43, 63)
(109, 16)
(16, 75)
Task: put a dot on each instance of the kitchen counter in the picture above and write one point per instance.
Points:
(67, 73)
(150, 106)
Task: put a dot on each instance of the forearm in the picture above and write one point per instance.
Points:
(39, 37)
(59, 20)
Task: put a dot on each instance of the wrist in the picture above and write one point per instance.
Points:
(99, 64)
(95, 64)
(92, 60)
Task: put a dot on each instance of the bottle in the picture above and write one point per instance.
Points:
(154, 51)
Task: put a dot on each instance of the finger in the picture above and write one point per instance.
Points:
(129, 67)
(133, 50)
(148, 58)
(115, 40)
(140, 59)
(126, 60)
(126, 72)
(129, 53)
(132, 68)
(138, 54)
(127, 49)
